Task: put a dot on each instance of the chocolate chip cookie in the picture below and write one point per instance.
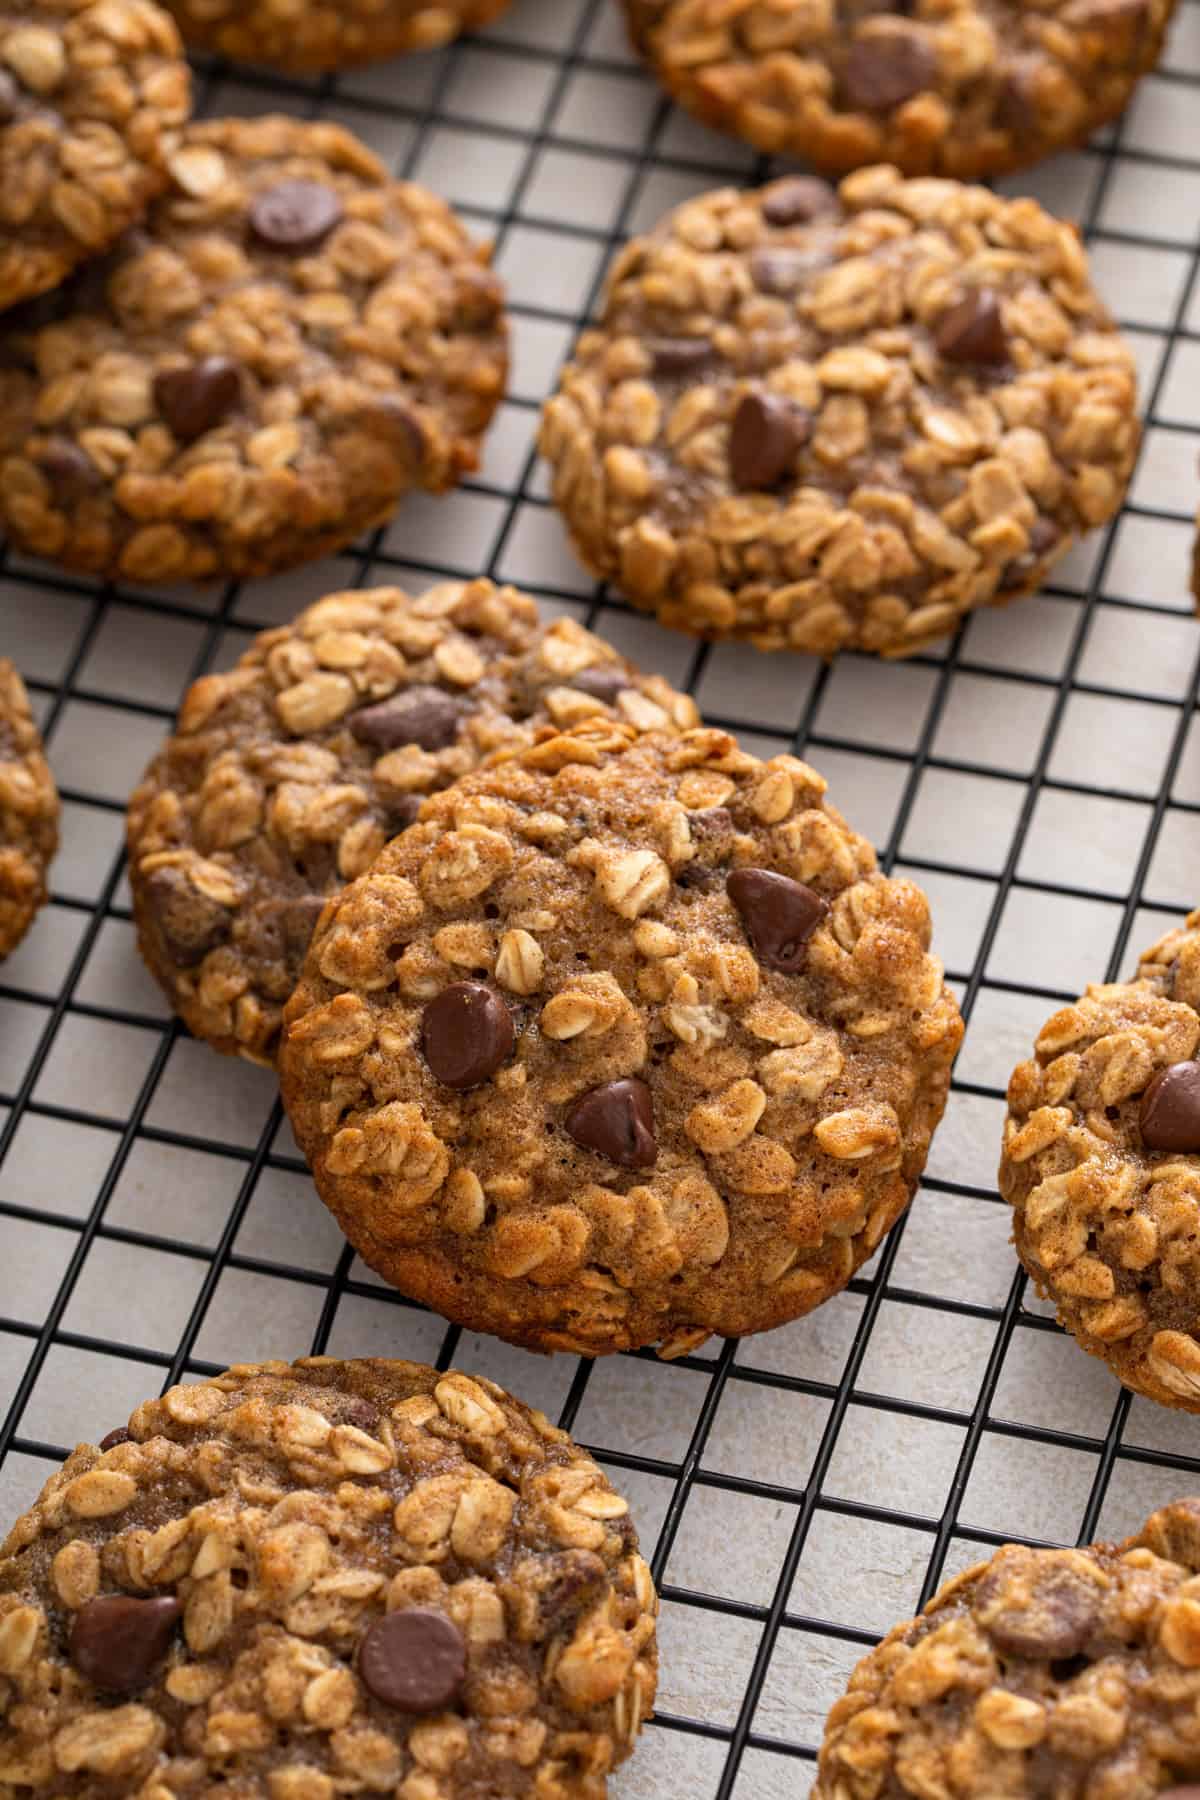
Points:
(329, 1578)
(28, 812)
(968, 88)
(624, 1042)
(286, 777)
(1072, 1673)
(1102, 1167)
(92, 93)
(822, 420)
(291, 342)
(321, 35)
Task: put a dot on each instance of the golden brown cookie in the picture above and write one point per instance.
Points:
(327, 34)
(821, 420)
(326, 1578)
(624, 1042)
(28, 812)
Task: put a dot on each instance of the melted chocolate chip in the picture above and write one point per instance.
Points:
(570, 1580)
(69, 469)
(764, 435)
(403, 811)
(1169, 1115)
(973, 330)
(782, 268)
(678, 356)
(779, 915)
(604, 681)
(413, 1660)
(1017, 107)
(361, 1413)
(198, 396)
(466, 1033)
(1043, 535)
(390, 417)
(417, 715)
(884, 70)
(189, 922)
(797, 199)
(10, 98)
(120, 1434)
(617, 1122)
(695, 875)
(295, 215)
(117, 1641)
(1055, 1621)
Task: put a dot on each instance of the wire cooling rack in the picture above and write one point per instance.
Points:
(1040, 776)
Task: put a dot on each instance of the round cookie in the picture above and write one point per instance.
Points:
(28, 812)
(325, 1578)
(624, 1042)
(823, 421)
(1102, 1168)
(1065, 1673)
(952, 88)
(92, 94)
(286, 777)
(291, 343)
(327, 34)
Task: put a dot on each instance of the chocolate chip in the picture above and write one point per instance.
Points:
(402, 812)
(796, 200)
(190, 923)
(417, 715)
(604, 681)
(10, 98)
(387, 416)
(361, 1413)
(1043, 535)
(198, 396)
(69, 469)
(1054, 1621)
(120, 1434)
(678, 356)
(764, 435)
(413, 1659)
(1017, 109)
(782, 268)
(695, 875)
(779, 915)
(295, 215)
(885, 69)
(466, 1033)
(973, 330)
(1170, 1111)
(617, 1122)
(117, 1641)
(569, 1581)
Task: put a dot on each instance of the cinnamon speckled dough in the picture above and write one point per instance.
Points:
(624, 1042)
(286, 776)
(327, 34)
(954, 87)
(28, 812)
(291, 343)
(294, 1582)
(827, 420)
(1040, 1675)
(1102, 1168)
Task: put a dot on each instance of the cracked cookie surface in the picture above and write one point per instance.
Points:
(967, 88)
(28, 812)
(823, 421)
(320, 35)
(286, 777)
(1101, 1166)
(92, 94)
(291, 343)
(319, 1579)
(1065, 1673)
(626, 1041)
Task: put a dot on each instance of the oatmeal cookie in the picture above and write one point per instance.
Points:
(822, 420)
(949, 87)
(325, 1578)
(291, 343)
(1072, 1674)
(327, 34)
(624, 1042)
(286, 777)
(1102, 1168)
(92, 94)
(28, 812)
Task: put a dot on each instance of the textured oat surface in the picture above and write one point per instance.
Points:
(1106, 1222)
(1063, 1674)
(568, 1068)
(823, 422)
(199, 1607)
(92, 95)
(287, 776)
(292, 343)
(318, 35)
(28, 812)
(958, 87)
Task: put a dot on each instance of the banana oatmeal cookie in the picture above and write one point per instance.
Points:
(1102, 1167)
(955, 87)
(326, 1578)
(624, 1042)
(291, 343)
(1040, 1675)
(28, 812)
(327, 34)
(824, 420)
(286, 777)
(92, 94)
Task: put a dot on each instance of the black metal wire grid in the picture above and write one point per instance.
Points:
(1077, 707)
